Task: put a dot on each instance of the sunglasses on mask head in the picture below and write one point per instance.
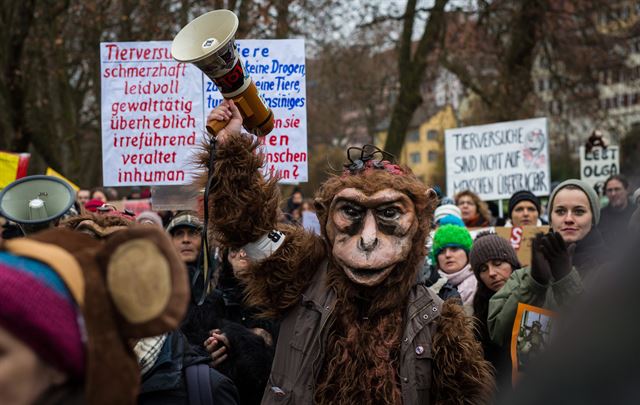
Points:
(359, 158)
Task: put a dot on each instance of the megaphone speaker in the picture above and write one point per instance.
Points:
(209, 43)
(35, 202)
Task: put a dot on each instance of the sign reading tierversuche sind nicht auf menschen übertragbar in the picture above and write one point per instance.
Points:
(496, 160)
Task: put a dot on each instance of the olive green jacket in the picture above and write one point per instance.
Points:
(521, 287)
(300, 348)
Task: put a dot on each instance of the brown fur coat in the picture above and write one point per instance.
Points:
(244, 206)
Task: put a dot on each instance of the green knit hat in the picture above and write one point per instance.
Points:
(450, 236)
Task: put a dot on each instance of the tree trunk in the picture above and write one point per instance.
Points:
(411, 70)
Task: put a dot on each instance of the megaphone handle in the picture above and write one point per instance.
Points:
(244, 107)
(215, 126)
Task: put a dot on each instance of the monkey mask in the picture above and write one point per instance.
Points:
(374, 216)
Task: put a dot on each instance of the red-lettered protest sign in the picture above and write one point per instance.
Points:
(154, 110)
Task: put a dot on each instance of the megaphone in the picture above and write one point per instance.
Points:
(35, 202)
(208, 42)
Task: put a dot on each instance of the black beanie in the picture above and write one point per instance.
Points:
(489, 246)
(523, 195)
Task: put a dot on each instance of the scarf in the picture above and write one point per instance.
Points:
(465, 281)
(147, 351)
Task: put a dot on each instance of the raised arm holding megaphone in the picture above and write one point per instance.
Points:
(208, 42)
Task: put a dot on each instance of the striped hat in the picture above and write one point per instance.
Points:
(37, 308)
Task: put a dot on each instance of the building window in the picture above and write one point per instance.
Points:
(432, 135)
(415, 157)
(603, 18)
(555, 107)
(624, 13)
(413, 135)
(432, 156)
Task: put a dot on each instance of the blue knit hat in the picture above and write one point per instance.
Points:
(450, 220)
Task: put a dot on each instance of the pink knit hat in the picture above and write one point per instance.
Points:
(37, 308)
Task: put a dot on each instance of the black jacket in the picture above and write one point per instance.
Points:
(234, 308)
(165, 383)
(250, 358)
(614, 225)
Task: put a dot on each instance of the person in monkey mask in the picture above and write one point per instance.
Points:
(356, 326)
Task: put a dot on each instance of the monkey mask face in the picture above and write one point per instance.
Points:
(370, 234)
(371, 217)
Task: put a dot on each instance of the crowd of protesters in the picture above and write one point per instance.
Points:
(222, 351)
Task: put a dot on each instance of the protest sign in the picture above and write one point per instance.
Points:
(598, 164)
(532, 330)
(154, 110)
(175, 198)
(496, 160)
(278, 69)
(521, 239)
(152, 114)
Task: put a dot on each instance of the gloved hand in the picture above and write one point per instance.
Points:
(540, 266)
(558, 254)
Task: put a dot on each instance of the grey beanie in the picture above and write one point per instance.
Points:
(594, 201)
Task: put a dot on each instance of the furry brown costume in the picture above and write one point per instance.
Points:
(120, 302)
(362, 336)
(97, 225)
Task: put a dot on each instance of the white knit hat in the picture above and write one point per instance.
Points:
(447, 209)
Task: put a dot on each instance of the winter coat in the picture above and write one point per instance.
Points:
(299, 352)
(430, 277)
(589, 257)
(521, 287)
(249, 357)
(235, 309)
(441, 286)
(614, 225)
(165, 382)
(497, 355)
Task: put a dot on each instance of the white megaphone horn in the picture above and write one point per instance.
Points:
(208, 42)
(36, 202)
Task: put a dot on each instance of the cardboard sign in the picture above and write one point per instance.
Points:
(521, 239)
(154, 110)
(496, 160)
(175, 198)
(532, 329)
(597, 165)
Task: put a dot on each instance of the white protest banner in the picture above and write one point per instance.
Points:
(152, 114)
(278, 69)
(597, 165)
(154, 110)
(496, 160)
